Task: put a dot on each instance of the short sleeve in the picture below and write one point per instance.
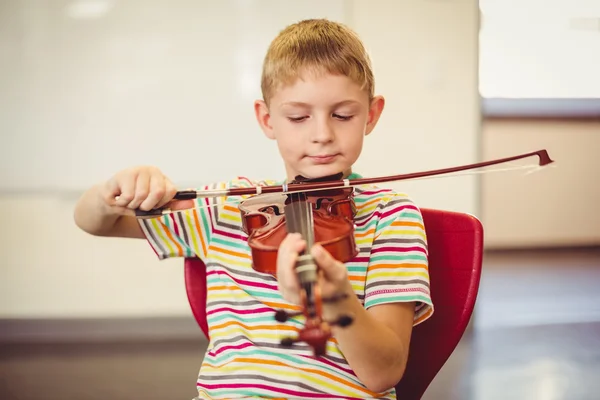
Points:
(398, 267)
(183, 233)
(187, 233)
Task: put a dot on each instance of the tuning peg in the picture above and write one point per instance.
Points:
(335, 298)
(343, 321)
(283, 316)
(288, 342)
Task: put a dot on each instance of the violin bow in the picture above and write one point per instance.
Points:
(543, 160)
(317, 331)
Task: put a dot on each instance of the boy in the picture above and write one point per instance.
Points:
(318, 104)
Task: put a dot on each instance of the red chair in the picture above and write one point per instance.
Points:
(455, 243)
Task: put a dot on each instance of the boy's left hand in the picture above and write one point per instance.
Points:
(333, 276)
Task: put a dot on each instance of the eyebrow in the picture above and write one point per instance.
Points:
(306, 105)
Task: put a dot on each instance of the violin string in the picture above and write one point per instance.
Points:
(301, 218)
(309, 228)
(290, 212)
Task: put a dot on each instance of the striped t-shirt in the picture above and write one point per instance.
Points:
(244, 358)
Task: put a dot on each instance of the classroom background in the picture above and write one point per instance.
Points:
(88, 87)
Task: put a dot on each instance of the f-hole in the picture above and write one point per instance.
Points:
(272, 209)
(321, 200)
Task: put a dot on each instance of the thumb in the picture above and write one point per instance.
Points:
(178, 205)
(325, 261)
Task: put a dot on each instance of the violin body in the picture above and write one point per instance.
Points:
(324, 217)
(264, 220)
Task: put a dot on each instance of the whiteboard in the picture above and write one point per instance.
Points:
(90, 87)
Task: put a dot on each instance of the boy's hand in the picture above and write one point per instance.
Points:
(333, 276)
(138, 187)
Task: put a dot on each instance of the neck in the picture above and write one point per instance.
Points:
(291, 177)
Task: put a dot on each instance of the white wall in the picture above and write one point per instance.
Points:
(52, 269)
(106, 84)
(425, 55)
(558, 206)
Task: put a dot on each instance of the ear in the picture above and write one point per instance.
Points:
(375, 110)
(261, 110)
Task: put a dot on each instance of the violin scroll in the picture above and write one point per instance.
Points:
(316, 331)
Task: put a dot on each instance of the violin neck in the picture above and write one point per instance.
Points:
(299, 219)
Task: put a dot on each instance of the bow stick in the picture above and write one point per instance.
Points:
(544, 159)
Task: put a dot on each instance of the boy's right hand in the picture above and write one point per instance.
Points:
(143, 187)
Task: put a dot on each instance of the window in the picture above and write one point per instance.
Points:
(540, 58)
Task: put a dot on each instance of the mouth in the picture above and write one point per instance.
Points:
(323, 159)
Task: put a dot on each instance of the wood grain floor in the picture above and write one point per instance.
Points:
(536, 335)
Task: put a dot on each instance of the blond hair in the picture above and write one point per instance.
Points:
(315, 45)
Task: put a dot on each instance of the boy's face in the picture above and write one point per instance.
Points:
(319, 123)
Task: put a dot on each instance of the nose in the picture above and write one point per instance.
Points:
(323, 132)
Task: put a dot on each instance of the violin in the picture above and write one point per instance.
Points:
(325, 217)
(322, 211)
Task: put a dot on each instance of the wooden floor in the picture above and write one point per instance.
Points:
(535, 335)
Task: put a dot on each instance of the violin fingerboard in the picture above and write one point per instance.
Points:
(299, 219)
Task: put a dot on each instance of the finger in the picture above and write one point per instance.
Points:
(289, 249)
(142, 189)
(290, 241)
(156, 192)
(287, 255)
(175, 205)
(332, 268)
(170, 191)
(110, 192)
(125, 187)
(295, 242)
(178, 205)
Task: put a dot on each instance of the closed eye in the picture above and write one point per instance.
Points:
(343, 117)
(297, 119)
(337, 116)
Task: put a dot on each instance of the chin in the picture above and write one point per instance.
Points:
(319, 171)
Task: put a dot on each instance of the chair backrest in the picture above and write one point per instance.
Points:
(455, 243)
